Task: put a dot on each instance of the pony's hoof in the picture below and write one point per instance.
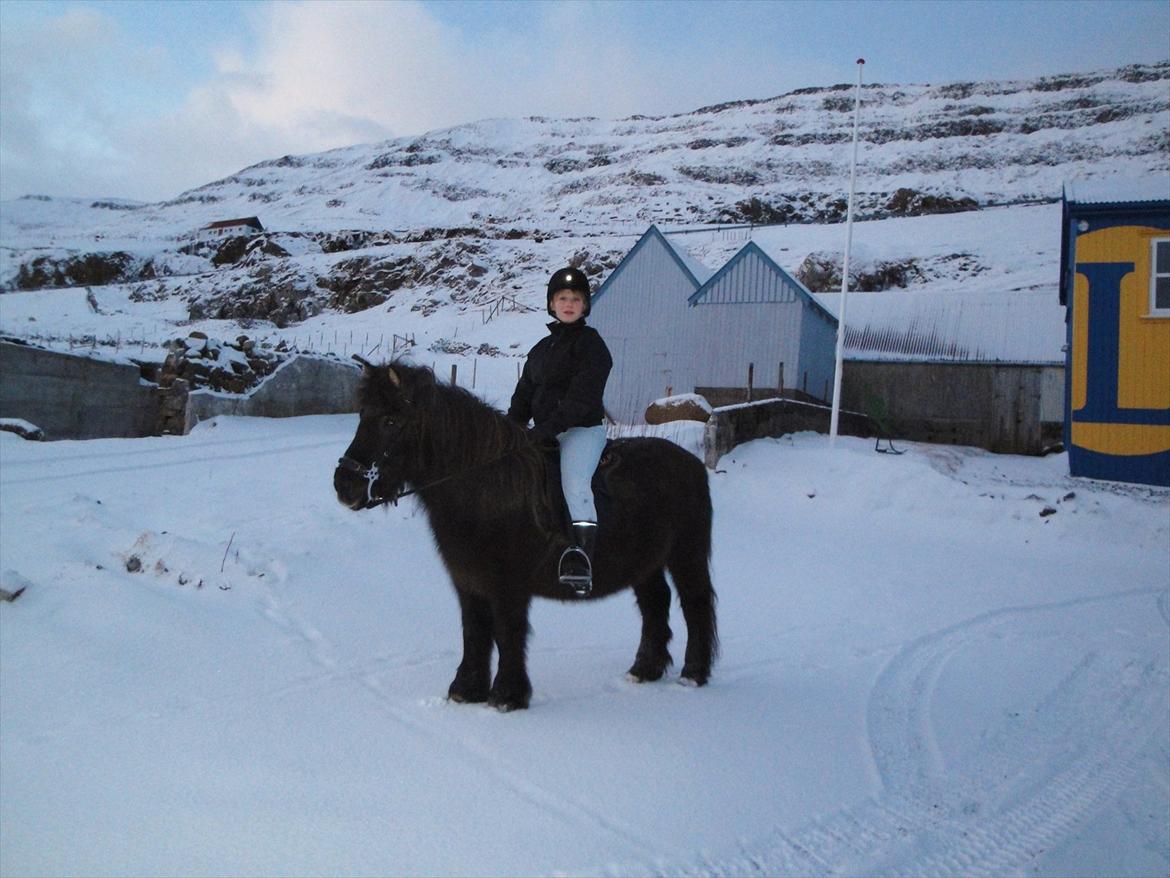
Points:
(649, 665)
(638, 674)
(507, 698)
(465, 698)
(694, 679)
(507, 705)
(467, 694)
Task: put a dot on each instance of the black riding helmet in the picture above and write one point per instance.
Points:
(568, 279)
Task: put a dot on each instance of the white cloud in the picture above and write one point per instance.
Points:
(89, 111)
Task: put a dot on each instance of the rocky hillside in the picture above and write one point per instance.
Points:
(455, 215)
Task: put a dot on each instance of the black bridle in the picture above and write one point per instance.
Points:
(371, 472)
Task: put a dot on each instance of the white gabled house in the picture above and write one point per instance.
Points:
(641, 312)
(248, 225)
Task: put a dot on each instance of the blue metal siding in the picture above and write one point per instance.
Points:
(818, 354)
(749, 281)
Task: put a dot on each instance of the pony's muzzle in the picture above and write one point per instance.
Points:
(354, 484)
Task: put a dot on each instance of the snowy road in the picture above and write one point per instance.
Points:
(921, 674)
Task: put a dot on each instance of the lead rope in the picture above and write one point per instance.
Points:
(371, 474)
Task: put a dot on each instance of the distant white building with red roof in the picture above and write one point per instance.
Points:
(249, 225)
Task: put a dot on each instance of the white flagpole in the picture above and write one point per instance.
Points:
(845, 267)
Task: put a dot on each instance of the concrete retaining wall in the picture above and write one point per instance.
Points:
(1012, 409)
(74, 397)
(733, 425)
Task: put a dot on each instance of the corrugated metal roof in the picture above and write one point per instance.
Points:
(1118, 190)
(966, 327)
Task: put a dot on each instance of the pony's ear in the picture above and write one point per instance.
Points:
(393, 376)
(366, 364)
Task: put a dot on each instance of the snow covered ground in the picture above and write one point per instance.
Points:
(943, 663)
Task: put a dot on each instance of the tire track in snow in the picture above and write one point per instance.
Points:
(171, 445)
(1028, 788)
(65, 472)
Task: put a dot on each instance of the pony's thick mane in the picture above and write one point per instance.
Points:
(453, 431)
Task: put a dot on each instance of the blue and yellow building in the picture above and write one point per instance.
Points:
(1115, 286)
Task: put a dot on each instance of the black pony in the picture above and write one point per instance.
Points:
(494, 505)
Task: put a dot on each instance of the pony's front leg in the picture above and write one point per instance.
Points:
(511, 689)
(473, 678)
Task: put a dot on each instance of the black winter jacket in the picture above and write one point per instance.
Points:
(563, 380)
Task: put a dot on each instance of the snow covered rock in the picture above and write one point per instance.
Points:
(234, 367)
(22, 428)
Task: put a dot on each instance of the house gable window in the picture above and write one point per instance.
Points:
(1160, 278)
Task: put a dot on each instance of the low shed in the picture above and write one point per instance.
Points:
(982, 368)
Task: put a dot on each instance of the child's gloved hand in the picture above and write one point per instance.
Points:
(542, 434)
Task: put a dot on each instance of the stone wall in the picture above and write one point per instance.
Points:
(300, 386)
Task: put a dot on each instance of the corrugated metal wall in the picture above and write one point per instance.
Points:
(974, 326)
(753, 318)
(750, 280)
(644, 319)
(734, 337)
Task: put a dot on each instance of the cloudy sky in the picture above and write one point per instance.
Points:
(144, 100)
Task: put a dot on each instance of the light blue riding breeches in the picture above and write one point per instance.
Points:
(581, 449)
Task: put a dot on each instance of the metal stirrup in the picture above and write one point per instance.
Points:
(582, 585)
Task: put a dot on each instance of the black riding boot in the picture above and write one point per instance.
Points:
(576, 567)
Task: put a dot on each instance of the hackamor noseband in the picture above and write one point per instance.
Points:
(370, 473)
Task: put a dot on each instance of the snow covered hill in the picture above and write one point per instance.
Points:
(460, 215)
(446, 239)
(771, 160)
